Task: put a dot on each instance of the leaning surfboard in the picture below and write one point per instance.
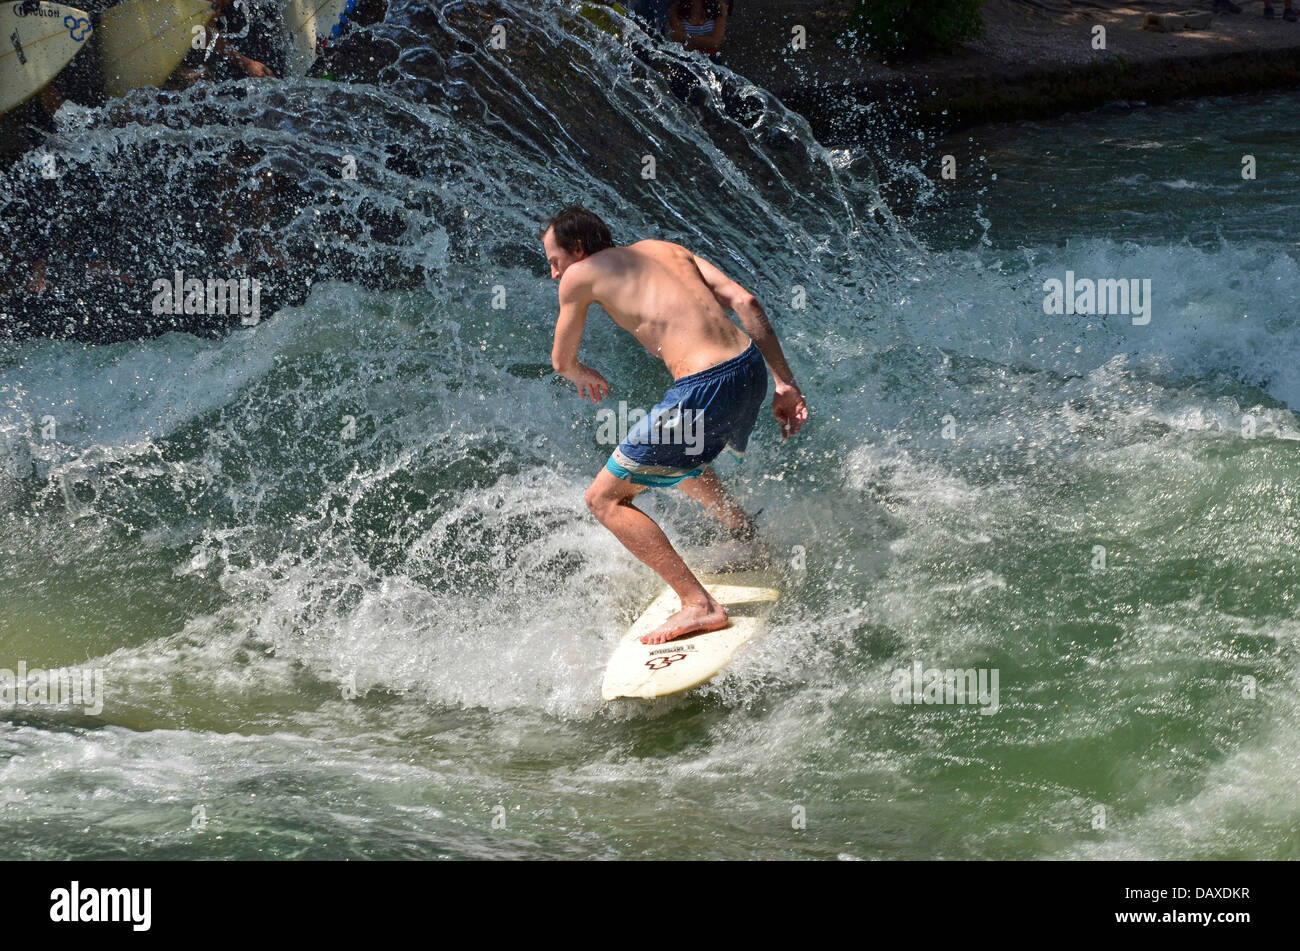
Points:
(311, 24)
(598, 13)
(37, 43)
(656, 670)
(143, 41)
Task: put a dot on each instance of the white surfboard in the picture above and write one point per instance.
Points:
(311, 24)
(143, 41)
(656, 670)
(34, 48)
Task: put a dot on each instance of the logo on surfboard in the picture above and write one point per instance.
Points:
(659, 663)
(77, 25)
(33, 10)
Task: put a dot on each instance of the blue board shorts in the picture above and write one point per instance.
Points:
(700, 416)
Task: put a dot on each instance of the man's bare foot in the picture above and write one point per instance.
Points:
(691, 619)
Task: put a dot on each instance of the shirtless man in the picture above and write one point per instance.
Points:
(673, 303)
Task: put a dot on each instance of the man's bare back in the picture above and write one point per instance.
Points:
(654, 290)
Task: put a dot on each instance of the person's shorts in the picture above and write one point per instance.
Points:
(697, 419)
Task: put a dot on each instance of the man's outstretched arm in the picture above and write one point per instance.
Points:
(788, 404)
(574, 301)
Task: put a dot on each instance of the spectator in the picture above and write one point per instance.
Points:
(249, 42)
(699, 25)
(1287, 13)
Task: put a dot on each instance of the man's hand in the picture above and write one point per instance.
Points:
(789, 409)
(588, 382)
(252, 67)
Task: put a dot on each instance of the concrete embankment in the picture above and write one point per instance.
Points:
(1037, 58)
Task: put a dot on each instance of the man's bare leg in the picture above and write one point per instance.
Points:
(610, 500)
(746, 549)
(708, 490)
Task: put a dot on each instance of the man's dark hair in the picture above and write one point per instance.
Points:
(576, 224)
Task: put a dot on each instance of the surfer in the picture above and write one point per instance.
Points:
(674, 304)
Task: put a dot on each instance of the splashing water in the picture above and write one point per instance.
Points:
(337, 569)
